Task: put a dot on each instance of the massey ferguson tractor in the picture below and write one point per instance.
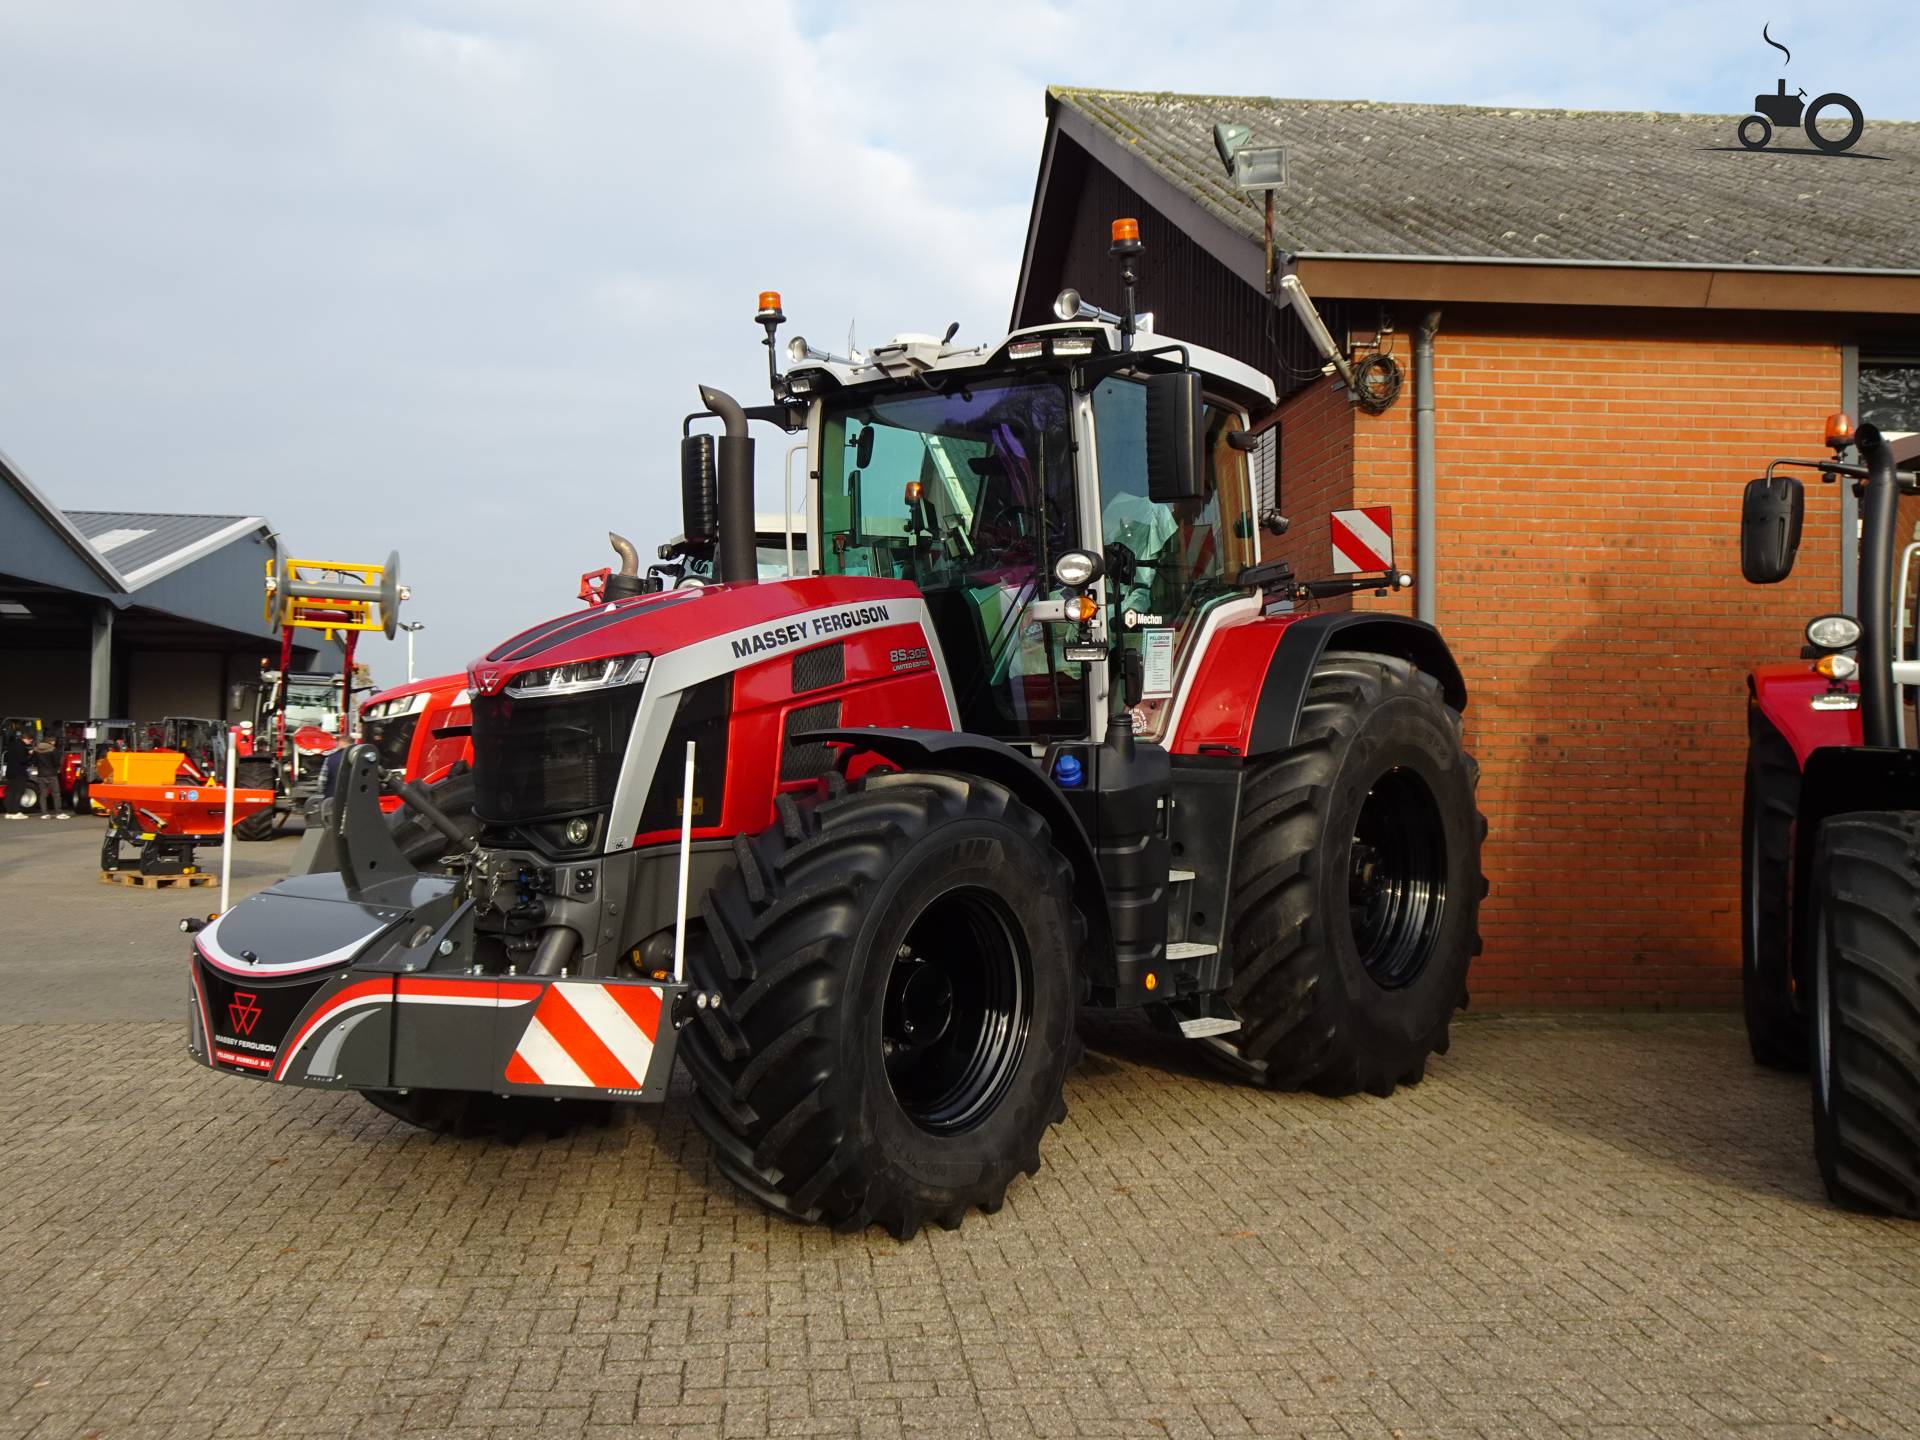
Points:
(1830, 843)
(1032, 730)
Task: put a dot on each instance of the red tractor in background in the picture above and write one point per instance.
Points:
(1830, 840)
(422, 730)
(1036, 730)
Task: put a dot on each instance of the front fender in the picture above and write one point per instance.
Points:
(991, 759)
(1785, 695)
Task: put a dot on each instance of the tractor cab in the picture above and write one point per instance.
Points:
(1071, 491)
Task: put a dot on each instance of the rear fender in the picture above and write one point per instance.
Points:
(992, 760)
(1785, 695)
(1232, 713)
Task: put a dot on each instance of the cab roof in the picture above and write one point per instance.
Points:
(908, 355)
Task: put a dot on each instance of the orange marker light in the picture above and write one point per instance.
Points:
(1152, 982)
(769, 300)
(1839, 428)
(914, 491)
(1126, 229)
(1083, 608)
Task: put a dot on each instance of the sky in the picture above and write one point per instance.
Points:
(441, 277)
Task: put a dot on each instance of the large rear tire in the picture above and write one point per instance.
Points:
(896, 967)
(1356, 902)
(1776, 1024)
(1865, 1046)
(254, 775)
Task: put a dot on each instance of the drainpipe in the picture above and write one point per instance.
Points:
(1423, 483)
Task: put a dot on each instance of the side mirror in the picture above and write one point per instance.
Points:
(1770, 518)
(1175, 470)
(699, 489)
(863, 448)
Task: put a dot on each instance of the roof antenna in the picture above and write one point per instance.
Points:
(952, 330)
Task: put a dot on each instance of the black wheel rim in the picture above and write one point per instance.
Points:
(958, 1006)
(1397, 878)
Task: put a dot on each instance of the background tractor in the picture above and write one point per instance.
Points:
(1034, 731)
(1831, 839)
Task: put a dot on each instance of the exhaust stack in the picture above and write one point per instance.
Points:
(737, 563)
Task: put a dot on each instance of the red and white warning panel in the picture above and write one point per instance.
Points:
(585, 1036)
(1363, 540)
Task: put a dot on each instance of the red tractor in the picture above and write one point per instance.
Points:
(1034, 731)
(1830, 842)
(422, 730)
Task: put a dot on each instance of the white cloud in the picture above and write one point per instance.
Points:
(442, 274)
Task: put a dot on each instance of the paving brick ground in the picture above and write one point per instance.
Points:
(1579, 1227)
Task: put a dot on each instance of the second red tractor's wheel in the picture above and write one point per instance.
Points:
(1776, 1027)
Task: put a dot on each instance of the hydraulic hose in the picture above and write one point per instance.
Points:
(1879, 524)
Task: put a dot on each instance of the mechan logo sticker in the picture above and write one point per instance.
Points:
(1832, 122)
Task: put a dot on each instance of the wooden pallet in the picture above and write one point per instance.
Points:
(138, 881)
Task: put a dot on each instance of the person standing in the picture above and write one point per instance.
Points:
(18, 757)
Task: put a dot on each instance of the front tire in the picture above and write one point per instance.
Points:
(1356, 904)
(1865, 1046)
(1776, 1025)
(896, 967)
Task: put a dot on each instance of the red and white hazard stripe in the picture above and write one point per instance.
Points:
(590, 1037)
(1362, 540)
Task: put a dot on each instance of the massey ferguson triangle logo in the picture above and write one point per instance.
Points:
(487, 678)
(243, 1012)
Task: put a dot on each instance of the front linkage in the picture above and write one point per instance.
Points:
(365, 977)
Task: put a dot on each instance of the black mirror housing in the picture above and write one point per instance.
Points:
(1771, 514)
(1175, 468)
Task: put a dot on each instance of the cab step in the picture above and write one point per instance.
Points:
(1190, 950)
(1179, 877)
(1202, 1026)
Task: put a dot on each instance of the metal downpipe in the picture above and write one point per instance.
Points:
(1425, 549)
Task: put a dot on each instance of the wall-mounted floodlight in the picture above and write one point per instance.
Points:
(1251, 167)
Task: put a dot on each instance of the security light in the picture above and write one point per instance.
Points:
(1252, 167)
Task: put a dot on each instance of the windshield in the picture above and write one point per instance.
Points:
(311, 702)
(967, 493)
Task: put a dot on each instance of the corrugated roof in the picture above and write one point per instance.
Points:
(142, 547)
(1546, 186)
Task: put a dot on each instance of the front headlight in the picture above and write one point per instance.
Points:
(1833, 632)
(579, 676)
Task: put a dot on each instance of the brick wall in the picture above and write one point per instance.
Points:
(1588, 512)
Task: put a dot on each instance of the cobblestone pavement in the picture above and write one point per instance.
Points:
(1579, 1227)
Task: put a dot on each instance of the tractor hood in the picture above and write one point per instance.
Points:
(754, 620)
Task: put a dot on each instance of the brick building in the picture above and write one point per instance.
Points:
(1629, 315)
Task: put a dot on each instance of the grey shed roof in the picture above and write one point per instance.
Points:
(1543, 186)
(144, 547)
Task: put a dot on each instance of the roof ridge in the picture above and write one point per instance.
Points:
(1062, 92)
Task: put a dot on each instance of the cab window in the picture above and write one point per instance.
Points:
(968, 494)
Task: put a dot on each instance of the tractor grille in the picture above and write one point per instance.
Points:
(393, 738)
(544, 758)
(818, 668)
(808, 759)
